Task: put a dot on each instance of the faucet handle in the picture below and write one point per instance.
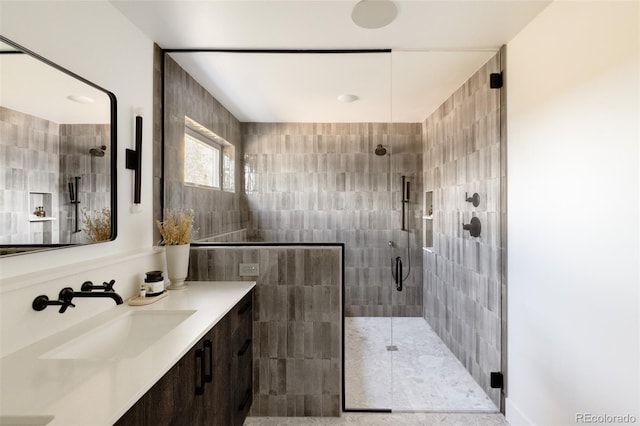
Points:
(108, 286)
(65, 296)
(65, 305)
(86, 286)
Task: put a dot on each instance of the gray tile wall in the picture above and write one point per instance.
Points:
(216, 212)
(462, 288)
(39, 158)
(229, 237)
(297, 324)
(94, 187)
(30, 164)
(322, 182)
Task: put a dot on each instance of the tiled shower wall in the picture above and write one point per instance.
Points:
(322, 182)
(297, 323)
(30, 164)
(216, 212)
(94, 186)
(40, 157)
(462, 155)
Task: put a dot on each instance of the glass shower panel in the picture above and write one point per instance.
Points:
(446, 327)
(368, 299)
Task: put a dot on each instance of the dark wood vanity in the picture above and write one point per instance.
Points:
(211, 384)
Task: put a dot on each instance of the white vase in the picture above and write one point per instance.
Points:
(177, 265)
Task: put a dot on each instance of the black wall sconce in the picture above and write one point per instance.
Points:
(134, 161)
(475, 199)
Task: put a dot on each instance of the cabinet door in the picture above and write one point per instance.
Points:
(217, 398)
(242, 360)
(172, 400)
(187, 390)
(241, 377)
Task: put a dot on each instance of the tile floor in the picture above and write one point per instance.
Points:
(391, 419)
(426, 375)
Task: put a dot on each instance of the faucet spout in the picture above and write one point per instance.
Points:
(110, 294)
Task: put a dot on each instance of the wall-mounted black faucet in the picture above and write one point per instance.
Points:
(67, 294)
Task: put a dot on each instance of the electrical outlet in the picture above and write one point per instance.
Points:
(249, 270)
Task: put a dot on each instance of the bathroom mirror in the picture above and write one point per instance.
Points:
(57, 155)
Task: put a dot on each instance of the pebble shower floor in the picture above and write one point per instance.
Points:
(426, 374)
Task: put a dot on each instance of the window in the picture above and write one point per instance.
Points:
(201, 162)
(208, 159)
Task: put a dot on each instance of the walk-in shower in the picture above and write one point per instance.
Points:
(443, 357)
(419, 313)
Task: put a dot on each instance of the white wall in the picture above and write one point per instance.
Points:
(573, 87)
(92, 39)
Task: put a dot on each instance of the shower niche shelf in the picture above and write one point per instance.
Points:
(34, 218)
(427, 221)
(44, 200)
(42, 229)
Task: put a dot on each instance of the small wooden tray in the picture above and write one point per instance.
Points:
(139, 301)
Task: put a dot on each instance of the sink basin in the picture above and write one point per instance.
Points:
(125, 336)
(25, 420)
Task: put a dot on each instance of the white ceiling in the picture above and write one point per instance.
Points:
(436, 46)
(32, 87)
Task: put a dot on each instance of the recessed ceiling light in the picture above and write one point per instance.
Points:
(80, 99)
(347, 98)
(372, 14)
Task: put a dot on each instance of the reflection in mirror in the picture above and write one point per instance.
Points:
(57, 140)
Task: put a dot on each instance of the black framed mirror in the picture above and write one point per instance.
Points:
(58, 145)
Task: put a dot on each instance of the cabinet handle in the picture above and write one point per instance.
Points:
(243, 349)
(199, 387)
(208, 346)
(245, 308)
(245, 400)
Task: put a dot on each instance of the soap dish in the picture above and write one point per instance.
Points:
(139, 301)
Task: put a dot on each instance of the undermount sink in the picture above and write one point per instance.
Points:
(125, 336)
(25, 420)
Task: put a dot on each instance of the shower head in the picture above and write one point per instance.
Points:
(98, 152)
(380, 150)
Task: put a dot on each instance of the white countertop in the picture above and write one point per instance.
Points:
(98, 392)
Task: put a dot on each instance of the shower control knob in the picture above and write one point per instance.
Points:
(474, 227)
(474, 199)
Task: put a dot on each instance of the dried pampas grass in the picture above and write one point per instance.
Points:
(97, 226)
(175, 229)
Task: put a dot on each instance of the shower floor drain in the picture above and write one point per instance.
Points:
(392, 348)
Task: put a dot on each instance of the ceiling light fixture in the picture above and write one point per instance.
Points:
(80, 99)
(348, 98)
(372, 14)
